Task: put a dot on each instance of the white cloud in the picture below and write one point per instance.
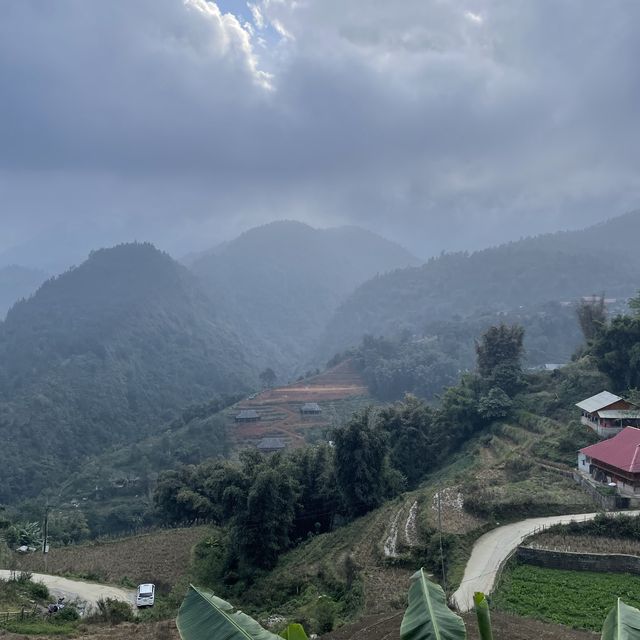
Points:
(445, 126)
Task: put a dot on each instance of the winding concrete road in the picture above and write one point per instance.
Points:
(494, 547)
(85, 593)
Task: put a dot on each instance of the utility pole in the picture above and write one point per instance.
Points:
(444, 576)
(45, 541)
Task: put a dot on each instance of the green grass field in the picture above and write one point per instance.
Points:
(579, 599)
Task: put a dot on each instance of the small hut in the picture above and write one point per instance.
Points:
(310, 409)
(248, 415)
(271, 445)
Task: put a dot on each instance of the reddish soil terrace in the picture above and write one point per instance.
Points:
(343, 381)
(337, 391)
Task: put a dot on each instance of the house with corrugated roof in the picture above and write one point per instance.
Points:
(607, 414)
(615, 461)
(310, 409)
(271, 445)
(248, 415)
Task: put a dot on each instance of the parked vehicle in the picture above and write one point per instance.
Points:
(146, 595)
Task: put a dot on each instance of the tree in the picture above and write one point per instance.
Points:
(499, 345)
(414, 451)
(634, 304)
(264, 528)
(592, 315)
(616, 348)
(360, 451)
(494, 405)
(268, 378)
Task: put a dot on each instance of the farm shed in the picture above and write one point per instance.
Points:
(270, 445)
(310, 409)
(616, 460)
(607, 414)
(248, 415)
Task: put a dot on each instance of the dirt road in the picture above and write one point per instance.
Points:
(78, 590)
(493, 548)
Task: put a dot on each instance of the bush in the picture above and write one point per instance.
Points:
(68, 614)
(38, 591)
(325, 614)
(112, 612)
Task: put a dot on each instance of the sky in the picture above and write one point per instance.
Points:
(441, 124)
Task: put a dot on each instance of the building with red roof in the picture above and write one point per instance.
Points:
(616, 460)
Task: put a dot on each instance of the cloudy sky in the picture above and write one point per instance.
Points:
(442, 124)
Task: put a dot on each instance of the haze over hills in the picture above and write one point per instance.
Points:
(103, 353)
(553, 267)
(17, 282)
(281, 282)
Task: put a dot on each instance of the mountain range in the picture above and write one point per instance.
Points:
(104, 353)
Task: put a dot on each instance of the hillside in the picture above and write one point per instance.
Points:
(280, 283)
(17, 282)
(555, 267)
(100, 356)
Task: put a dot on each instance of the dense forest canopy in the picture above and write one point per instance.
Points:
(103, 354)
(557, 267)
(280, 283)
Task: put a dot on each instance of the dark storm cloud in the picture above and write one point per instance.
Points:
(442, 124)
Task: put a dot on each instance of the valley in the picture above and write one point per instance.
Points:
(187, 451)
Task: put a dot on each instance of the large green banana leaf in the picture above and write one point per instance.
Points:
(622, 623)
(203, 616)
(427, 617)
(294, 631)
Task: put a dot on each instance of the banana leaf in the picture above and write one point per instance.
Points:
(427, 617)
(622, 623)
(294, 631)
(482, 613)
(203, 616)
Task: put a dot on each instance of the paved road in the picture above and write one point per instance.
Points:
(493, 548)
(79, 590)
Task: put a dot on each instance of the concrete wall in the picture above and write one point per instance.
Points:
(614, 562)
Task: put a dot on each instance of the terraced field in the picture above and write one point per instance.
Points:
(339, 392)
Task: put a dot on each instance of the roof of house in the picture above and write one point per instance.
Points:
(620, 414)
(272, 443)
(248, 413)
(622, 451)
(599, 401)
(310, 406)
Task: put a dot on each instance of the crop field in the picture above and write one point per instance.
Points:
(584, 543)
(161, 557)
(579, 599)
(339, 391)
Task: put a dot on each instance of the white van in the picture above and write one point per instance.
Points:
(146, 595)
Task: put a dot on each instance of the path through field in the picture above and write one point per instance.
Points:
(493, 548)
(78, 590)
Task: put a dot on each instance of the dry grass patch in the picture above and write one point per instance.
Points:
(161, 557)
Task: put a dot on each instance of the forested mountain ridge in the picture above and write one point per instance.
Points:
(101, 355)
(532, 271)
(17, 282)
(281, 282)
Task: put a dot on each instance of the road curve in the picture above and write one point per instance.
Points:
(86, 593)
(494, 547)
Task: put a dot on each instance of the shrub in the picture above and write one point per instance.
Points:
(38, 591)
(112, 612)
(68, 614)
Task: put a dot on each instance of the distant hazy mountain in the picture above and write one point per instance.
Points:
(17, 282)
(553, 267)
(281, 283)
(103, 354)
